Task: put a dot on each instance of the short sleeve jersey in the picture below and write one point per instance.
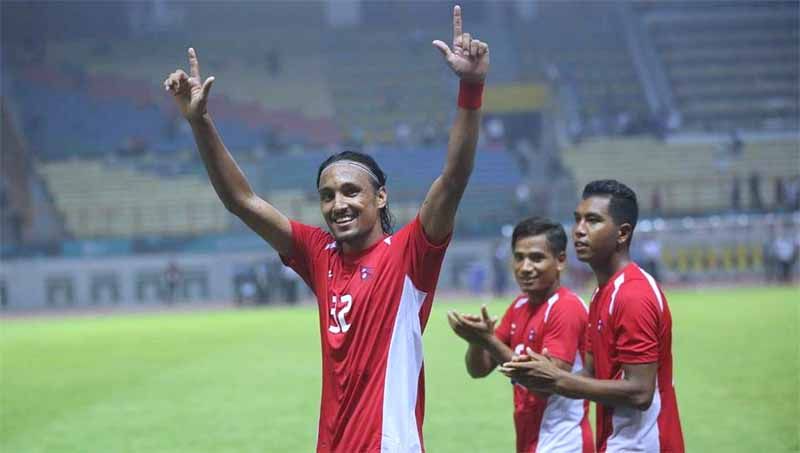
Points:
(373, 308)
(558, 324)
(630, 323)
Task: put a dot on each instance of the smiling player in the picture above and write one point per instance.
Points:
(374, 289)
(545, 317)
(628, 368)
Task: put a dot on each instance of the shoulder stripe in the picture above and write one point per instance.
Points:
(653, 286)
(550, 302)
(522, 301)
(617, 284)
(583, 304)
(579, 299)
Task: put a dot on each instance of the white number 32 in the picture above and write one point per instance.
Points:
(339, 308)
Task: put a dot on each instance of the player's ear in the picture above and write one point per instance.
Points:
(561, 261)
(624, 234)
(383, 197)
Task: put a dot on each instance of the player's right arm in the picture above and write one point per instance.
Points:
(485, 350)
(230, 183)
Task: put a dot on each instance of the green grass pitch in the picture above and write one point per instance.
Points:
(248, 380)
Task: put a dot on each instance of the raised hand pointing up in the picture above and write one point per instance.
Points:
(469, 58)
(190, 94)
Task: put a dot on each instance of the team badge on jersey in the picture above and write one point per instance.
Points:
(366, 272)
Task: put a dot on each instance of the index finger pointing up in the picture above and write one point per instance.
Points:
(456, 22)
(194, 66)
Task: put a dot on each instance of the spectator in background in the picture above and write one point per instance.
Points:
(735, 145)
(768, 257)
(172, 280)
(429, 134)
(523, 198)
(754, 182)
(290, 282)
(272, 60)
(262, 273)
(736, 194)
(792, 188)
(780, 194)
(133, 147)
(495, 131)
(651, 254)
(784, 251)
(656, 200)
(500, 256)
(402, 134)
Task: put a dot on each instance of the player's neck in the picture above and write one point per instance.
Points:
(358, 245)
(605, 270)
(538, 297)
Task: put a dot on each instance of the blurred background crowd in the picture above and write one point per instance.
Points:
(105, 201)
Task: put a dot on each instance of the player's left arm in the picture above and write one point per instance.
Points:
(469, 59)
(636, 324)
(635, 389)
(543, 374)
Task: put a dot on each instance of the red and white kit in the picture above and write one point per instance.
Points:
(373, 307)
(630, 323)
(556, 423)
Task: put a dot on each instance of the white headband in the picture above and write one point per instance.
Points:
(358, 165)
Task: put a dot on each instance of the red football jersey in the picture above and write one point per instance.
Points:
(630, 322)
(373, 308)
(555, 423)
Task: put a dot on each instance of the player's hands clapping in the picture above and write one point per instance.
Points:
(190, 92)
(469, 58)
(535, 371)
(472, 328)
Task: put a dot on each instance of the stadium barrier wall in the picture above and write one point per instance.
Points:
(731, 249)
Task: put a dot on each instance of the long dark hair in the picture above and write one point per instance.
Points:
(387, 219)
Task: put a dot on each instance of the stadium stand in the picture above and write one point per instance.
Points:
(591, 56)
(730, 64)
(27, 213)
(693, 178)
(389, 91)
(101, 200)
(94, 114)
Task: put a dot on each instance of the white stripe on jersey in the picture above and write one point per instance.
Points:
(560, 430)
(635, 430)
(617, 283)
(653, 286)
(399, 430)
(550, 302)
